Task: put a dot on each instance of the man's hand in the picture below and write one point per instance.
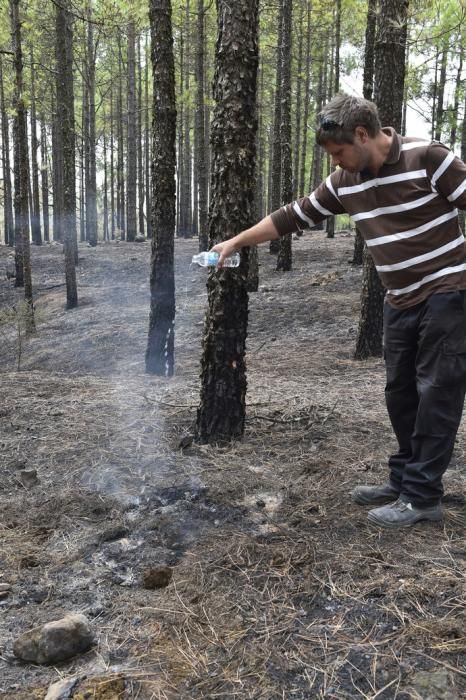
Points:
(225, 249)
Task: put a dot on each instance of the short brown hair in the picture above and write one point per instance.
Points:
(340, 117)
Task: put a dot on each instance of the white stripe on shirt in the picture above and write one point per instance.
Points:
(381, 240)
(319, 207)
(420, 258)
(302, 215)
(375, 182)
(442, 167)
(459, 190)
(428, 278)
(328, 182)
(414, 144)
(394, 209)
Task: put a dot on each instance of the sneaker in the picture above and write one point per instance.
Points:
(402, 514)
(373, 495)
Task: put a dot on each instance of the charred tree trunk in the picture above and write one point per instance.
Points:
(44, 180)
(139, 112)
(368, 87)
(284, 259)
(336, 85)
(390, 64)
(21, 170)
(35, 202)
(147, 147)
(307, 97)
(65, 113)
(131, 160)
(200, 131)
(7, 189)
(160, 347)
(221, 414)
(276, 163)
(57, 174)
(91, 184)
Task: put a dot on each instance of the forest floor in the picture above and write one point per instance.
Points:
(280, 587)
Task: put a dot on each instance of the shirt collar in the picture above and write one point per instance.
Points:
(395, 149)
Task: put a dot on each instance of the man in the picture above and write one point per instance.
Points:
(402, 193)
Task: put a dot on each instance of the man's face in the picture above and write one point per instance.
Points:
(353, 157)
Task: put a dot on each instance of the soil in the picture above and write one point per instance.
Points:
(277, 587)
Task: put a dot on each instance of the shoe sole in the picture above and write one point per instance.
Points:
(382, 523)
(381, 501)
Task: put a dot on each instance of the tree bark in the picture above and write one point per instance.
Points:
(7, 194)
(390, 65)
(131, 177)
(65, 113)
(44, 180)
(200, 130)
(284, 259)
(21, 171)
(160, 346)
(35, 203)
(221, 414)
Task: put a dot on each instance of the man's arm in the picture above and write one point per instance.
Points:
(261, 232)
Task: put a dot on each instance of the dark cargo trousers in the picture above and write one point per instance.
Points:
(425, 357)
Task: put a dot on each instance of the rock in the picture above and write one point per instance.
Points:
(55, 641)
(139, 238)
(434, 685)
(113, 533)
(158, 577)
(4, 594)
(62, 689)
(28, 477)
(5, 587)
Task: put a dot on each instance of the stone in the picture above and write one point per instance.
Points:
(434, 685)
(55, 641)
(158, 577)
(62, 689)
(139, 238)
(5, 587)
(28, 477)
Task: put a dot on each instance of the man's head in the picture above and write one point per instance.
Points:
(348, 127)
(342, 115)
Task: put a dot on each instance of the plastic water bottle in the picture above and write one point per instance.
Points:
(210, 259)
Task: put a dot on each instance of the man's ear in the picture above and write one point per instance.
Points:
(362, 134)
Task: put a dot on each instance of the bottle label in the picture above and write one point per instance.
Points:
(212, 258)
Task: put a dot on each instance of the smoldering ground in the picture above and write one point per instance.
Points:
(279, 586)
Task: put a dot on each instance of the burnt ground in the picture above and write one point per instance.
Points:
(280, 587)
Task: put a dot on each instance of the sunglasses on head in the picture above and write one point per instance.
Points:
(329, 124)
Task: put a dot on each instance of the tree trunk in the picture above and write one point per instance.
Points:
(440, 112)
(200, 130)
(21, 169)
(307, 97)
(131, 160)
(57, 174)
(161, 340)
(120, 153)
(91, 184)
(457, 99)
(276, 164)
(368, 87)
(139, 112)
(147, 145)
(221, 414)
(7, 194)
(284, 259)
(35, 208)
(44, 180)
(331, 219)
(390, 64)
(65, 113)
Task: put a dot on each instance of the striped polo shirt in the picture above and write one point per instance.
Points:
(407, 215)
